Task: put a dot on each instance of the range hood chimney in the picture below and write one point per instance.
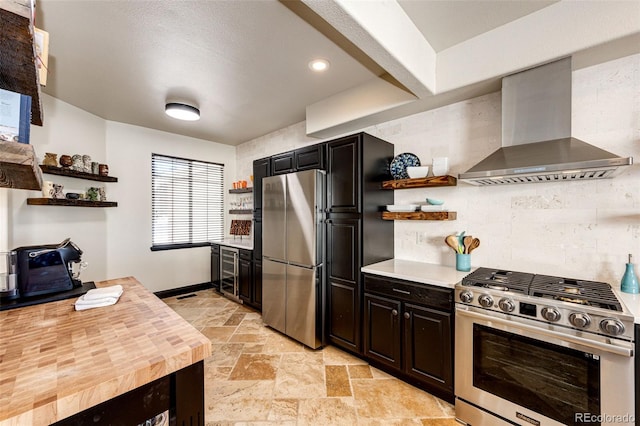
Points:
(536, 134)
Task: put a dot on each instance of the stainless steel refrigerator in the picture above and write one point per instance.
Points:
(293, 255)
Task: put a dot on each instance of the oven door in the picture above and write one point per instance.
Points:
(525, 372)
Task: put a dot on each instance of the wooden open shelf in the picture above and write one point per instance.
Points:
(420, 216)
(61, 171)
(70, 203)
(19, 167)
(18, 65)
(426, 182)
(241, 191)
(240, 211)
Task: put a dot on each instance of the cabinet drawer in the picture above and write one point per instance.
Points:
(245, 254)
(423, 294)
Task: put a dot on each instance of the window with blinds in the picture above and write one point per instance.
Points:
(186, 202)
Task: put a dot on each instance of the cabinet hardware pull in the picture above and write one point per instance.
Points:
(407, 315)
(401, 291)
(394, 313)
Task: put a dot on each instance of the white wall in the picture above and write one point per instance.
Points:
(66, 130)
(116, 241)
(129, 150)
(579, 229)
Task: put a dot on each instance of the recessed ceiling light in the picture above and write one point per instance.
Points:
(182, 111)
(319, 65)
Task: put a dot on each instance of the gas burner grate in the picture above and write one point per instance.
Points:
(497, 279)
(591, 293)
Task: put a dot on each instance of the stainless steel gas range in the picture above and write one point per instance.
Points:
(542, 350)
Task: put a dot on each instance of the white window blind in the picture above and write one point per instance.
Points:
(187, 202)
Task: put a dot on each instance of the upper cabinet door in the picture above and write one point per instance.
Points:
(343, 176)
(311, 157)
(282, 163)
(261, 169)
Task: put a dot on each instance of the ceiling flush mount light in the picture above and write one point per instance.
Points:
(319, 65)
(182, 111)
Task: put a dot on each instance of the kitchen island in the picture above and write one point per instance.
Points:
(56, 362)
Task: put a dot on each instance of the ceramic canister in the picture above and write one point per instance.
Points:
(47, 189)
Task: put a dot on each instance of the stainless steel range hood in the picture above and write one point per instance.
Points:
(536, 134)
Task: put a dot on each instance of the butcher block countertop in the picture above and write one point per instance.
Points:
(55, 361)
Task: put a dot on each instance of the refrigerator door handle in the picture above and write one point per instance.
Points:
(300, 265)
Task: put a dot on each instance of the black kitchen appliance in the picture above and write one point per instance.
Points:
(47, 269)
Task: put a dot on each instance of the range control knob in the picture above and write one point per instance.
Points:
(466, 297)
(485, 301)
(551, 314)
(580, 320)
(506, 304)
(612, 326)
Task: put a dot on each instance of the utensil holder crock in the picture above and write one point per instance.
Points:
(463, 262)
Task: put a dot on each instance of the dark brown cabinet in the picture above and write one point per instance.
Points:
(427, 346)
(343, 272)
(343, 183)
(356, 234)
(307, 158)
(245, 275)
(282, 163)
(215, 266)
(311, 157)
(256, 296)
(382, 330)
(261, 169)
(408, 330)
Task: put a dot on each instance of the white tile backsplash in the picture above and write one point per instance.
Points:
(581, 229)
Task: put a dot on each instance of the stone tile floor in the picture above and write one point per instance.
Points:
(257, 376)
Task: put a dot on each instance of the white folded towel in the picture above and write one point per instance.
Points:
(99, 297)
(102, 292)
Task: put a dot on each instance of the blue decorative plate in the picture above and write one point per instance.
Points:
(400, 163)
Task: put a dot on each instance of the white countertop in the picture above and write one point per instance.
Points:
(245, 243)
(632, 301)
(420, 272)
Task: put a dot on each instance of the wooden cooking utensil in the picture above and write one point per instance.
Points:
(466, 241)
(452, 241)
(474, 244)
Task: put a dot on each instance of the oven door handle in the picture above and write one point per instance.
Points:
(549, 333)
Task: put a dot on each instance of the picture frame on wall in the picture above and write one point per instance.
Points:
(41, 39)
(15, 117)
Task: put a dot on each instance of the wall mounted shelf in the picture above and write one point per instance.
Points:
(52, 170)
(240, 211)
(420, 216)
(426, 182)
(19, 167)
(18, 66)
(69, 203)
(241, 191)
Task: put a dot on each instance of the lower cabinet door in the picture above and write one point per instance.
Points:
(382, 330)
(257, 285)
(344, 320)
(427, 346)
(215, 267)
(244, 280)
